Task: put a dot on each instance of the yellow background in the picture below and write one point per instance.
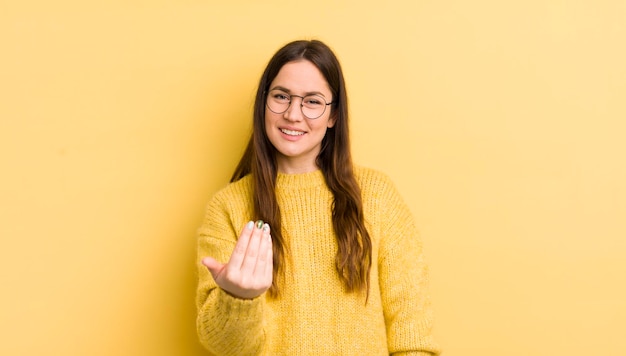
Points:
(502, 123)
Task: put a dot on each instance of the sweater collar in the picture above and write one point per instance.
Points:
(300, 180)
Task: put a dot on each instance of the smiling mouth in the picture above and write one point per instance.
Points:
(292, 133)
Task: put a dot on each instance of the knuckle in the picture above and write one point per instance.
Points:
(234, 276)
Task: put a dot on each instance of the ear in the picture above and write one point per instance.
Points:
(332, 119)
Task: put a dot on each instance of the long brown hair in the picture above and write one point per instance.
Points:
(354, 255)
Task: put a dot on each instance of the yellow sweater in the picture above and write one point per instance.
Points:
(314, 315)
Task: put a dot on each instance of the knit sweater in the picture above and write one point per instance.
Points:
(314, 315)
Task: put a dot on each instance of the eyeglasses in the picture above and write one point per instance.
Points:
(313, 106)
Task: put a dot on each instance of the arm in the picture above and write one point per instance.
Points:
(403, 277)
(230, 298)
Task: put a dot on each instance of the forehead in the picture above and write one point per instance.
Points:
(301, 77)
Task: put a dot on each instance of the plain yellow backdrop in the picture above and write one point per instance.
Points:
(502, 123)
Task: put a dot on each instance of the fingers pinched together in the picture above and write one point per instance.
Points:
(248, 273)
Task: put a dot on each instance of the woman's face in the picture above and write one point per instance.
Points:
(297, 138)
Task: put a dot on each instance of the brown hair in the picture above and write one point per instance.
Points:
(354, 255)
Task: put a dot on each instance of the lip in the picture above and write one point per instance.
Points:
(291, 137)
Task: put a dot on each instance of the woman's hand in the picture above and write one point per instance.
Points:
(248, 273)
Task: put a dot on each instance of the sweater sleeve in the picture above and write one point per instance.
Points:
(403, 275)
(226, 325)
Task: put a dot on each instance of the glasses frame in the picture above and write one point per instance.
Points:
(267, 97)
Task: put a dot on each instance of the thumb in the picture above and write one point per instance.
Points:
(213, 266)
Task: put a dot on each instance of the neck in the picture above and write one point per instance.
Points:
(288, 166)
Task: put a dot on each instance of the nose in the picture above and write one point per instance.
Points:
(294, 111)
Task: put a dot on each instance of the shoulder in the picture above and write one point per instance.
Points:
(236, 192)
(372, 181)
(378, 191)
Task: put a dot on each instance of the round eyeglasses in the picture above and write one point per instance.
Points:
(313, 106)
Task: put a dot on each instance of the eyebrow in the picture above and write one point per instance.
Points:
(278, 87)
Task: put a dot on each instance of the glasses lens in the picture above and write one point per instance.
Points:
(313, 106)
(278, 101)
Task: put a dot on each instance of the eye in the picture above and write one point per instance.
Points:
(313, 101)
(280, 97)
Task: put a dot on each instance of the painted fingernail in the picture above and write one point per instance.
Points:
(250, 225)
(259, 224)
(266, 227)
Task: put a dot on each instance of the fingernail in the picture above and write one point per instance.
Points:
(259, 224)
(266, 227)
(250, 225)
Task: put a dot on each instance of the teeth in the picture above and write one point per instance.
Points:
(292, 133)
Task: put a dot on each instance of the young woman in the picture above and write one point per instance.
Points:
(333, 264)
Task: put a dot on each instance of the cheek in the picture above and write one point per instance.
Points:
(269, 119)
(328, 122)
(271, 116)
(270, 123)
